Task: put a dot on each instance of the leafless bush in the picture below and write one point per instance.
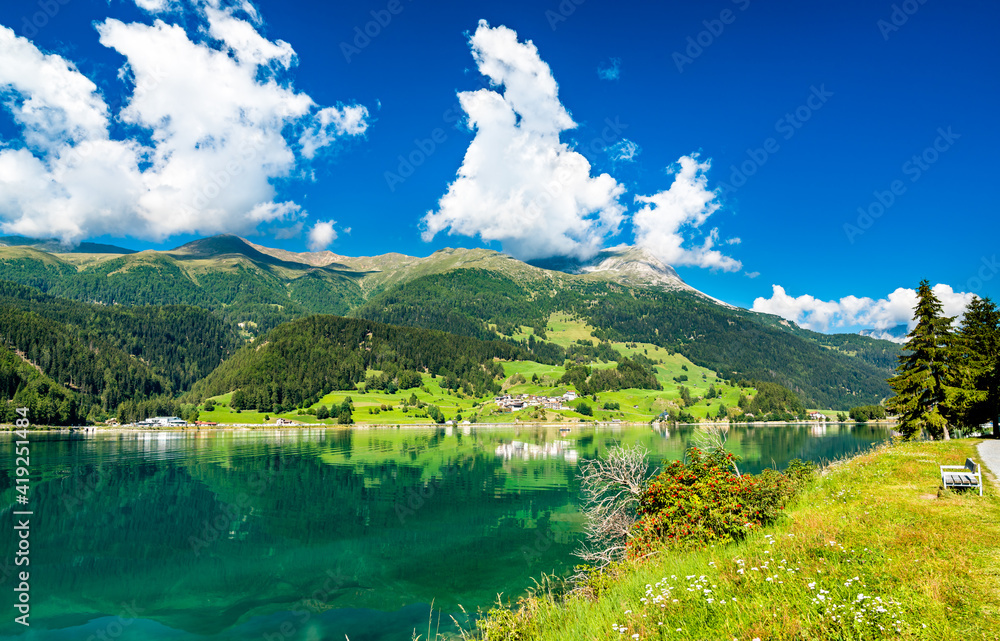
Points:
(610, 489)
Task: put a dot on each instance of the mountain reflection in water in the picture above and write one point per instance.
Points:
(320, 533)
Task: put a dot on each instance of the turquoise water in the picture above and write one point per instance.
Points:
(313, 534)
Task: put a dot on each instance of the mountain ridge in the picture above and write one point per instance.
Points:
(53, 245)
(625, 294)
(371, 275)
(631, 266)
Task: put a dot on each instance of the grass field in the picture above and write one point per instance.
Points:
(872, 550)
(450, 404)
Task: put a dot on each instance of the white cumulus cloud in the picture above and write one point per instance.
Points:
(322, 235)
(243, 41)
(518, 184)
(215, 124)
(853, 311)
(670, 222)
(51, 101)
(332, 123)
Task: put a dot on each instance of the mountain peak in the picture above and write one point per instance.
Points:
(215, 246)
(634, 265)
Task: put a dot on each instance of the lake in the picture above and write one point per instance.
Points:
(315, 534)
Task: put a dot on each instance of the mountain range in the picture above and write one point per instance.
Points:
(363, 276)
(625, 294)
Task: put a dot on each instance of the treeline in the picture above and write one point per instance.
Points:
(110, 355)
(949, 378)
(342, 413)
(865, 413)
(297, 363)
(393, 379)
(635, 373)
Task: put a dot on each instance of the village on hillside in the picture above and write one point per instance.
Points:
(513, 403)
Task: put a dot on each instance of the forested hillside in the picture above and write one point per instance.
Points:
(298, 362)
(738, 346)
(880, 353)
(111, 354)
(236, 287)
(48, 402)
(733, 342)
(471, 302)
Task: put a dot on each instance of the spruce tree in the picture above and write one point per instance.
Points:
(922, 374)
(975, 398)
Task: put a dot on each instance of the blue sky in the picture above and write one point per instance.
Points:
(805, 113)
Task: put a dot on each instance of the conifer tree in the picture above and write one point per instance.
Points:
(975, 397)
(921, 381)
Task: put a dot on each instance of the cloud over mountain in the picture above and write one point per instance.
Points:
(671, 220)
(852, 311)
(518, 183)
(322, 235)
(213, 123)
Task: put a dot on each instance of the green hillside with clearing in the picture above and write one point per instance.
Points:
(639, 307)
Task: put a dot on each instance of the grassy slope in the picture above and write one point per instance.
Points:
(636, 405)
(450, 405)
(873, 526)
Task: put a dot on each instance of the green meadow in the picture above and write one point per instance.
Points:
(634, 405)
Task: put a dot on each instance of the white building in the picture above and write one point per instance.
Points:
(515, 403)
(163, 421)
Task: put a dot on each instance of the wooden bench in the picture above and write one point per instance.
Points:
(970, 476)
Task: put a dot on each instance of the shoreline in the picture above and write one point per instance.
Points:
(250, 427)
(847, 546)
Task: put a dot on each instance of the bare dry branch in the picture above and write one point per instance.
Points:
(610, 489)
